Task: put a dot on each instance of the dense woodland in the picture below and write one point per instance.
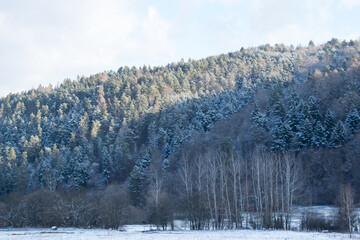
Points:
(230, 141)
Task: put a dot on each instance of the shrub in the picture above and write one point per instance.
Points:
(312, 221)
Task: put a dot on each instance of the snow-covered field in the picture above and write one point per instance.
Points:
(145, 232)
(142, 233)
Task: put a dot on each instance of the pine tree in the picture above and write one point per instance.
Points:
(80, 174)
(352, 120)
(294, 116)
(95, 129)
(84, 126)
(319, 138)
(279, 110)
(339, 134)
(137, 180)
(11, 155)
(281, 135)
(259, 118)
(33, 148)
(152, 141)
(314, 109)
(44, 171)
(306, 134)
(106, 164)
(330, 122)
(110, 136)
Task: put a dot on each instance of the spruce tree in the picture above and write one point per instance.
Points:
(352, 120)
(106, 164)
(329, 124)
(339, 134)
(294, 116)
(281, 135)
(319, 138)
(259, 118)
(306, 134)
(137, 180)
(314, 109)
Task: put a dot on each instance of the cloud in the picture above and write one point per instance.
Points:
(2, 19)
(155, 41)
(349, 3)
(290, 22)
(295, 34)
(45, 43)
(231, 2)
(353, 37)
(269, 15)
(317, 12)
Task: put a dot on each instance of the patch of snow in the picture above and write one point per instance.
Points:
(136, 232)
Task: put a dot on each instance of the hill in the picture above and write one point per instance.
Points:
(229, 134)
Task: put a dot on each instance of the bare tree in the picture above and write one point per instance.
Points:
(346, 207)
(276, 179)
(257, 165)
(292, 183)
(114, 206)
(154, 194)
(186, 177)
(196, 192)
(212, 177)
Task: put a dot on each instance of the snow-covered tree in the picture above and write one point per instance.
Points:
(319, 138)
(306, 134)
(281, 135)
(352, 120)
(329, 124)
(339, 134)
(314, 109)
(137, 180)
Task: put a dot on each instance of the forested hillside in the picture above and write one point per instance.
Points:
(257, 130)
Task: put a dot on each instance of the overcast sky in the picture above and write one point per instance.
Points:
(46, 41)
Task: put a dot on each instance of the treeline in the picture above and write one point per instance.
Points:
(109, 208)
(218, 190)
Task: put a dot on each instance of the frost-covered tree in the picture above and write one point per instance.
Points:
(259, 118)
(352, 120)
(95, 129)
(281, 135)
(80, 171)
(314, 109)
(294, 115)
(319, 138)
(329, 124)
(306, 134)
(339, 134)
(106, 164)
(137, 180)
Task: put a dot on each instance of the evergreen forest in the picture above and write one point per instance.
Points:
(230, 141)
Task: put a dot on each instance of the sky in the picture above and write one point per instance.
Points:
(46, 41)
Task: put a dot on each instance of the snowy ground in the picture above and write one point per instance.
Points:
(142, 233)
